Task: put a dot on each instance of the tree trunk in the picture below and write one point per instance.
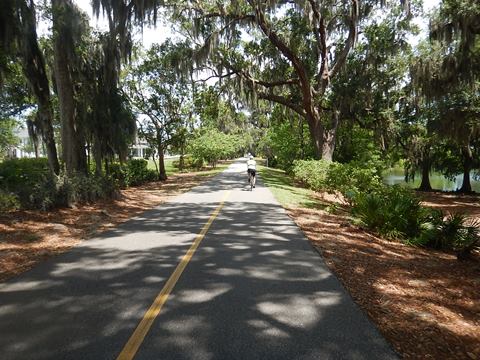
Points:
(324, 140)
(45, 122)
(89, 155)
(425, 184)
(122, 157)
(73, 143)
(35, 147)
(181, 162)
(329, 141)
(34, 70)
(33, 129)
(107, 167)
(155, 162)
(162, 174)
(302, 140)
(467, 167)
(330, 137)
(97, 156)
(316, 133)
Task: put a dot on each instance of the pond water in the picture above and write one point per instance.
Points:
(396, 176)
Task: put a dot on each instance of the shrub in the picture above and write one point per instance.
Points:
(134, 172)
(118, 175)
(348, 179)
(391, 211)
(67, 190)
(137, 173)
(45, 195)
(311, 173)
(352, 179)
(8, 201)
(21, 176)
(81, 189)
(189, 163)
(450, 232)
(28, 184)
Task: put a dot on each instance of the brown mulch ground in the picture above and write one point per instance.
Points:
(28, 237)
(425, 302)
(453, 203)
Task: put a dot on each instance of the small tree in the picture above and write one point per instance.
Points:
(159, 95)
(7, 136)
(214, 145)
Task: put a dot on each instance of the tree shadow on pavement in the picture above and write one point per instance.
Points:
(254, 289)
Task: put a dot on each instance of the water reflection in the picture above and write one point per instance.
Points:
(396, 176)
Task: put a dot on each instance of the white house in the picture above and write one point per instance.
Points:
(22, 149)
(139, 148)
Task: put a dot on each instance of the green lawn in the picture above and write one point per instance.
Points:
(284, 189)
(170, 169)
(168, 166)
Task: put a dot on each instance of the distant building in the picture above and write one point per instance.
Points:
(139, 148)
(24, 148)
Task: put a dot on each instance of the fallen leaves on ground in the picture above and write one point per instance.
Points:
(425, 302)
(28, 237)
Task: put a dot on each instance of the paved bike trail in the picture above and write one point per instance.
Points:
(254, 289)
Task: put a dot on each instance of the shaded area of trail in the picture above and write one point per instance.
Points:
(255, 289)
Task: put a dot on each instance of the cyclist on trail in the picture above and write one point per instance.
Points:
(251, 169)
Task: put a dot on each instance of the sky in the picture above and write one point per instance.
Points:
(161, 32)
(150, 35)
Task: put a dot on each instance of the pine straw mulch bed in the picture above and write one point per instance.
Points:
(29, 237)
(425, 302)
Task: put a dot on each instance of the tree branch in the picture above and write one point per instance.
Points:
(281, 100)
(297, 64)
(280, 45)
(352, 34)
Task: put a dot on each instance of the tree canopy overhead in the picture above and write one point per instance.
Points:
(281, 51)
(336, 80)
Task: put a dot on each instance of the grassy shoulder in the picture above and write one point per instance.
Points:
(284, 189)
(410, 293)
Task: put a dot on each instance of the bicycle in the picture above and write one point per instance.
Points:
(251, 179)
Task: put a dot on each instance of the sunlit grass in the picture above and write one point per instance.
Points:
(171, 169)
(284, 189)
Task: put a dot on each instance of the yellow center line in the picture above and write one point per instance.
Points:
(131, 347)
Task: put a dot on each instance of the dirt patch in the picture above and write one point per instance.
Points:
(426, 303)
(28, 237)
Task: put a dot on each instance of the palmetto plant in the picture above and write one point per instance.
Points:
(393, 212)
(396, 213)
(453, 231)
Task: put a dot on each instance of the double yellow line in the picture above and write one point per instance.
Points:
(133, 344)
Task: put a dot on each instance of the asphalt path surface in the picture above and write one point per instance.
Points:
(254, 289)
